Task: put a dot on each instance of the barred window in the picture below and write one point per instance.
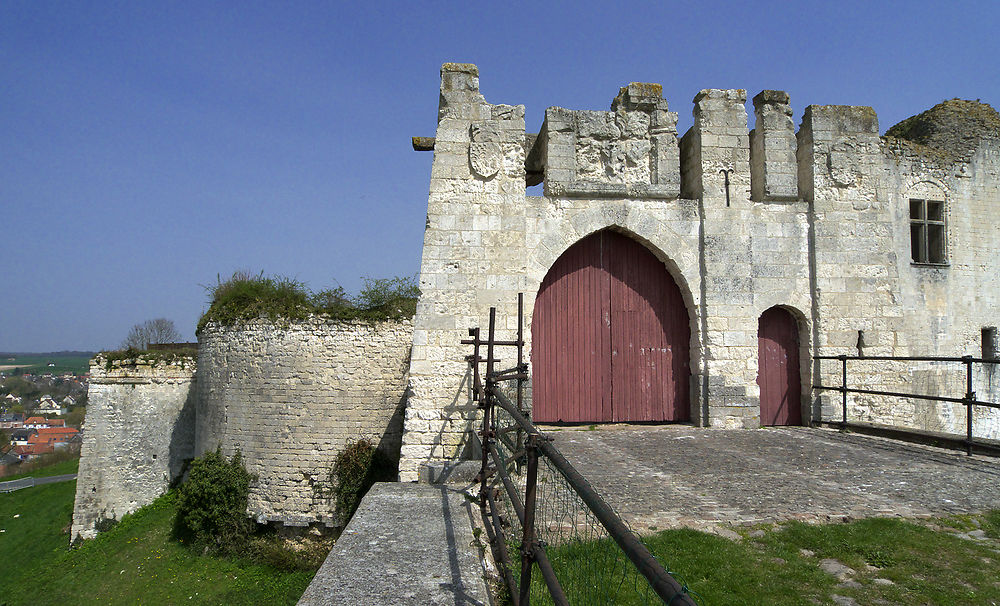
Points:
(927, 231)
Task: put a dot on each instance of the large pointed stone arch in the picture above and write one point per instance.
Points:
(611, 336)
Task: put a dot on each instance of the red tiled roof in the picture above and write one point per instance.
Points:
(57, 430)
(40, 449)
(52, 435)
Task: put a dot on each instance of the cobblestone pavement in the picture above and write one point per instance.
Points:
(671, 476)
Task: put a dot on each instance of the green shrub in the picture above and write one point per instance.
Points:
(246, 296)
(389, 295)
(212, 504)
(357, 467)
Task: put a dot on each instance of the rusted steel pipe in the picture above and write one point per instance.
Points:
(528, 543)
(664, 585)
(868, 358)
(492, 521)
(541, 558)
(843, 385)
(508, 484)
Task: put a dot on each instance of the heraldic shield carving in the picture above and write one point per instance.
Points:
(485, 154)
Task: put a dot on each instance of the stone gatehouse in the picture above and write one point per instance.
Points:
(666, 278)
(693, 278)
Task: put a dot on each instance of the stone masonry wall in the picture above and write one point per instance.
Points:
(815, 222)
(291, 397)
(623, 170)
(139, 431)
(476, 220)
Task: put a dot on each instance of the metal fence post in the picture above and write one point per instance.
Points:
(843, 387)
(528, 537)
(476, 383)
(970, 397)
(489, 404)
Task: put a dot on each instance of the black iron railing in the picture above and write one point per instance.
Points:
(968, 400)
(583, 550)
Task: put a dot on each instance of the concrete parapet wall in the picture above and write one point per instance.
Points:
(138, 433)
(291, 397)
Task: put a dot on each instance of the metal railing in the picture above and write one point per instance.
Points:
(583, 550)
(968, 400)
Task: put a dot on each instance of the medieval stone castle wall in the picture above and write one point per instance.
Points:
(815, 221)
(139, 432)
(289, 397)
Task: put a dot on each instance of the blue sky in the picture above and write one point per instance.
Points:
(149, 148)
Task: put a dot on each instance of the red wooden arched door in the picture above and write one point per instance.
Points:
(778, 368)
(610, 337)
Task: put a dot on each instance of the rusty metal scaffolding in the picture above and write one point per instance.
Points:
(526, 483)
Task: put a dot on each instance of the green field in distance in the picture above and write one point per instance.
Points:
(76, 362)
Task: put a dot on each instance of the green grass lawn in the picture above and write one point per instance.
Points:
(136, 562)
(925, 562)
(57, 469)
(34, 535)
(39, 363)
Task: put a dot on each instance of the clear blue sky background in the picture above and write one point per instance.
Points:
(148, 148)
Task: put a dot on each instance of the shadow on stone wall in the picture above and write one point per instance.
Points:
(391, 440)
(180, 452)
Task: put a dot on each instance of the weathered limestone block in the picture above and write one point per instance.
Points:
(716, 150)
(774, 172)
(631, 151)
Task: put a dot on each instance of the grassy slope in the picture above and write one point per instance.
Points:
(137, 562)
(57, 469)
(35, 535)
(926, 566)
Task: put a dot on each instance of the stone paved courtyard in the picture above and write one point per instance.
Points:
(671, 476)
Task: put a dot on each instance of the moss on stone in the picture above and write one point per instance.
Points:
(954, 127)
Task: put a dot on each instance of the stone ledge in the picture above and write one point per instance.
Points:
(591, 189)
(452, 472)
(407, 544)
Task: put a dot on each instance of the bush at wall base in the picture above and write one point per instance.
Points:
(212, 504)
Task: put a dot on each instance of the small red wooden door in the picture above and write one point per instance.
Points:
(778, 368)
(610, 336)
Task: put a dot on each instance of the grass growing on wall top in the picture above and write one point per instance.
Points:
(245, 297)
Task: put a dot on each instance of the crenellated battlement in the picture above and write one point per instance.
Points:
(635, 151)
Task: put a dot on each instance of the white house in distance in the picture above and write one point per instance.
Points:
(47, 406)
